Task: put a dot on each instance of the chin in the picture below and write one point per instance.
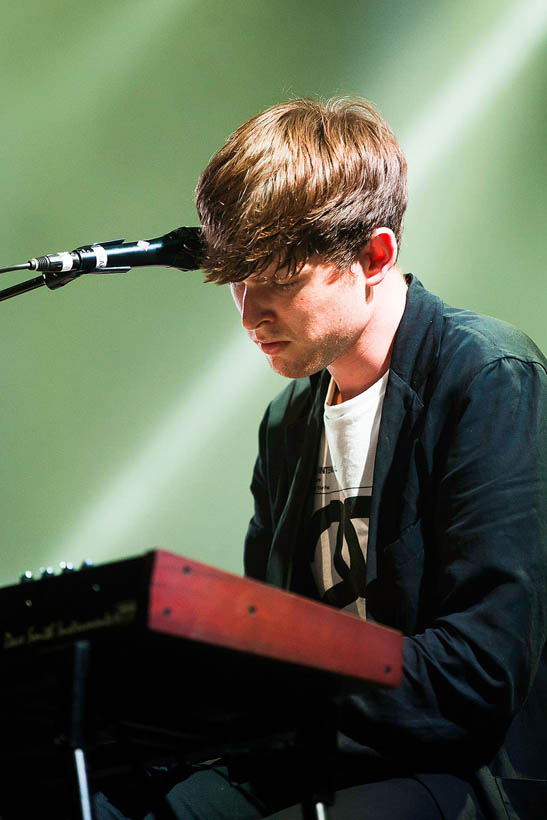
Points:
(295, 370)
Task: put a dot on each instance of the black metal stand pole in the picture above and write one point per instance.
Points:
(80, 667)
(314, 811)
(23, 287)
(316, 749)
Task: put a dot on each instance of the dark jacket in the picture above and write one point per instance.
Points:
(457, 549)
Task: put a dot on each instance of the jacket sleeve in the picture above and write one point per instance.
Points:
(473, 663)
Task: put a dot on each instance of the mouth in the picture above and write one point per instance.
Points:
(272, 348)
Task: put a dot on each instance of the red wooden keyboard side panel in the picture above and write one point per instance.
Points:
(198, 602)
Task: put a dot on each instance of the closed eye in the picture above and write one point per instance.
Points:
(284, 285)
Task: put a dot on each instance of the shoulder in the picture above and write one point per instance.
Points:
(473, 341)
(491, 360)
(438, 342)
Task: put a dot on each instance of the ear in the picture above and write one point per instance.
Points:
(378, 256)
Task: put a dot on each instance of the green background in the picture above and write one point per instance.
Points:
(130, 403)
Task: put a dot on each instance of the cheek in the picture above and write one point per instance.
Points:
(303, 317)
(341, 317)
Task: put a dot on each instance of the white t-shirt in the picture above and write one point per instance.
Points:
(342, 496)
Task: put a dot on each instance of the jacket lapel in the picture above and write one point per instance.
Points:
(302, 438)
(414, 351)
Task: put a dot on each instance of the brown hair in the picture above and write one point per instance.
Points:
(302, 178)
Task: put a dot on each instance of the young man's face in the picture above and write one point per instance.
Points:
(305, 323)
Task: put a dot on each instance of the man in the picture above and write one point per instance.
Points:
(401, 476)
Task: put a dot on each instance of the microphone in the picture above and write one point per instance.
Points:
(182, 248)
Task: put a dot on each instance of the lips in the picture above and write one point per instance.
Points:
(272, 348)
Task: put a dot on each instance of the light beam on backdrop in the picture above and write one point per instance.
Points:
(176, 442)
(452, 111)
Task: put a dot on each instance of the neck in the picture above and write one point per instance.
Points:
(369, 358)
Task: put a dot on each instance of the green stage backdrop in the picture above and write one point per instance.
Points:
(130, 403)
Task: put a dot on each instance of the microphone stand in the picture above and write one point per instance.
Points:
(53, 279)
(23, 287)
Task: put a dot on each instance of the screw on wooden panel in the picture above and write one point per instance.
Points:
(167, 611)
(252, 609)
(387, 670)
(186, 570)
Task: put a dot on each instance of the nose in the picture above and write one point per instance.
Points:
(253, 305)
